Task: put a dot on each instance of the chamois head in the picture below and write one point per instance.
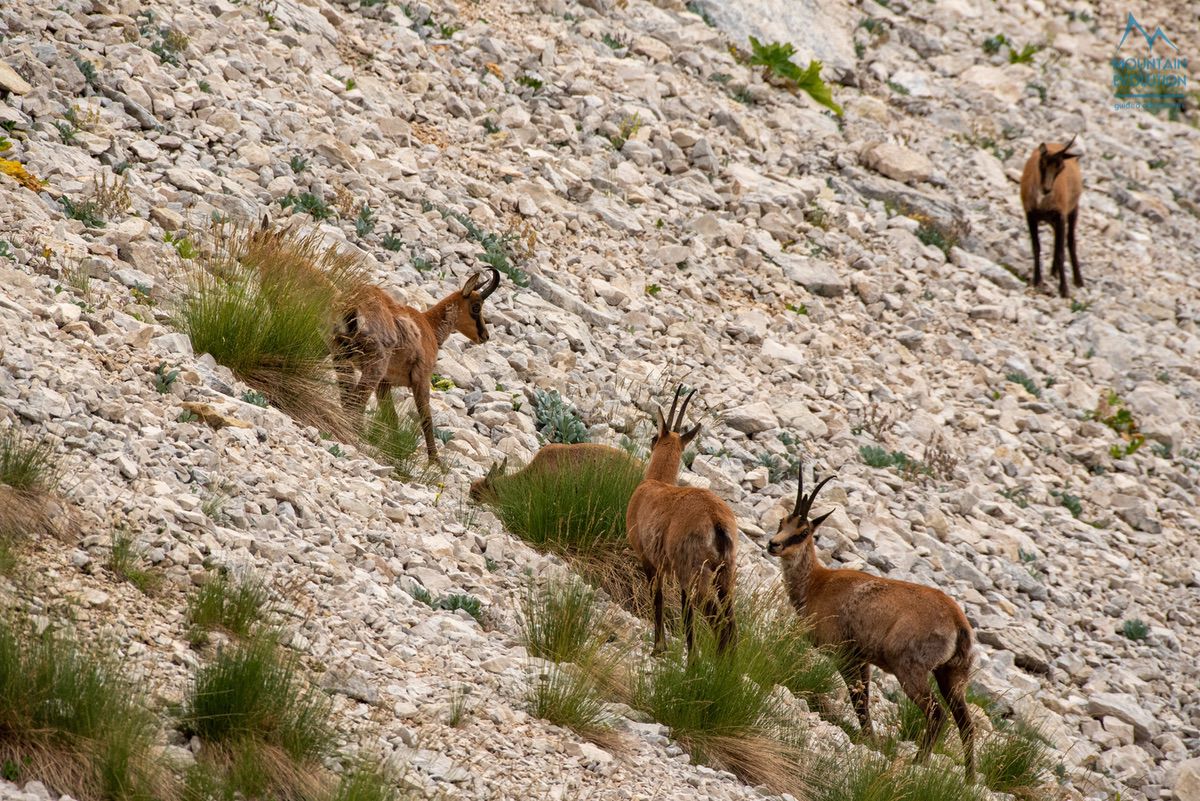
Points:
(469, 301)
(1051, 164)
(669, 427)
(796, 527)
(485, 486)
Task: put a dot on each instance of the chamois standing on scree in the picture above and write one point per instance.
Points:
(686, 532)
(393, 344)
(549, 460)
(1051, 185)
(906, 629)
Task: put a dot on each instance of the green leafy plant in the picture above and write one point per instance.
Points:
(86, 211)
(298, 164)
(653, 290)
(468, 603)
(1025, 55)
(164, 378)
(776, 59)
(88, 70)
(932, 235)
(1071, 502)
(556, 420)
(182, 244)
(392, 243)
(497, 248)
(699, 11)
(530, 82)
(441, 383)
(255, 398)
(626, 130)
(1031, 387)
(308, 203)
(1135, 629)
(615, 41)
(364, 223)
(992, 44)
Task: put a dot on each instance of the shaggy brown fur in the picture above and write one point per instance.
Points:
(396, 345)
(685, 532)
(1051, 185)
(906, 629)
(548, 460)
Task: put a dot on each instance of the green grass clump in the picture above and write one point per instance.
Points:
(29, 475)
(1032, 388)
(1017, 759)
(569, 698)
(1135, 629)
(561, 620)
(263, 303)
(125, 562)
(233, 604)
(397, 440)
(768, 627)
(70, 719)
(264, 730)
(367, 783)
(776, 59)
(468, 603)
(872, 777)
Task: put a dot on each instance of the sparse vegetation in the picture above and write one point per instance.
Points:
(298, 164)
(255, 398)
(932, 235)
(530, 82)
(1071, 502)
(308, 203)
(233, 603)
(86, 211)
(1016, 759)
(29, 475)
(396, 438)
(364, 223)
(561, 619)
(1135, 629)
(497, 248)
(125, 563)
(1031, 387)
(164, 378)
(556, 420)
(776, 60)
(567, 697)
(1114, 413)
(72, 720)
(626, 130)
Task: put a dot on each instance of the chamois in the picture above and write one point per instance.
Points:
(908, 630)
(1050, 188)
(393, 344)
(687, 532)
(549, 460)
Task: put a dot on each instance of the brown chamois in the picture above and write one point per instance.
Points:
(906, 629)
(1051, 185)
(686, 532)
(548, 460)
(396, 345)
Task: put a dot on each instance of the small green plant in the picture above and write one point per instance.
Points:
(899, 89)
(1072, 503)
(308, 203)
(351, 84)
(441, 383)
(490, 126)
(561, 619)
(86, 211)
(800, 308)
(88, 69)
(468, 603)
(262, 726)
(497, 248)
(556, 420)
(187, 416)
(653, 289)
(204, 86)
(932, 235)
(255, 398)
(615, 42)
(164, 378)
(1025, 55)
(235, 604)
(1161, 450)
(700, 12)
(530, 82)
(125, 563)
(298, 164)
(337, 451)
(448, 31)
(875, 456)
(992, 44)
(626, 130)
(6, 251)
(72, 719)
(443, 435)
(1135, 629)
(1031, 387)
(776, 59)
(421, 594)
(364, 223)
(459, 706)
(392, 243)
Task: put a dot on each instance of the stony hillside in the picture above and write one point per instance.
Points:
(847, 291)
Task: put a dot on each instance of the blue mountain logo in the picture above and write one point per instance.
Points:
(1132, 24)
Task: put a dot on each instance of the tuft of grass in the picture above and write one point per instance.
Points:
(1031, 387)
(72, 720)
(468, 603)
(263, 728)
(557, 420)
(1016, 759)
(366, 783)
(233, 604)
(560, 621)
(29, 475)
(872, 777)
(263, 303)
(626, 130)
(1072, 502)
(1024, 55)
(396, 439)
(459, 706)
(125, 563)
(1135, 629)
(567, 697)
(769, 628)
(776, 60)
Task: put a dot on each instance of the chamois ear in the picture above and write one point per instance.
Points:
(816, 521)
(689, 435)
(1042, 150)
(469, 285)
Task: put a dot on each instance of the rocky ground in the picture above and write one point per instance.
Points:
(849, 282)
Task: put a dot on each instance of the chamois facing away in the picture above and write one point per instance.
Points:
(396, 345)
(906, 629)
(685, 532)
(1051, 185)
(547, 461)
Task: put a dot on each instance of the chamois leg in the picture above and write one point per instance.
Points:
(916, 686)
(722, 616)
(420, 390)
(1060, 240)
(685, 606)
(368, 380)
(344, 368)
(656, 589)
(1031, 219)
(857, 676)
(1071, 220)
(954, 690)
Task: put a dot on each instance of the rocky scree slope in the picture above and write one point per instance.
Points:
(838, 280)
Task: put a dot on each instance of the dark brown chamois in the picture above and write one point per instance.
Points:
(1051, 185)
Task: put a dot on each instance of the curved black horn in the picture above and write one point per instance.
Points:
(491, 287)
(686, 400)
(674, 403)
(808, 502)
(799, 489)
